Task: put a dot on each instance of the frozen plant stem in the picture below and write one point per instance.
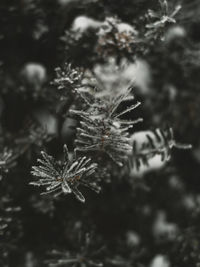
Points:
(64, 177)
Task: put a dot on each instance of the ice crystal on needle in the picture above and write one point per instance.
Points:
(67, 77)
(102, 135)
(64, 177)
(102, 127)
(161, 19)
(115, 36)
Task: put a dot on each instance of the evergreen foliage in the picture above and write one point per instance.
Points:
(99, 96)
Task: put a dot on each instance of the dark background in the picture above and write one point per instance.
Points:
(30, 33)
